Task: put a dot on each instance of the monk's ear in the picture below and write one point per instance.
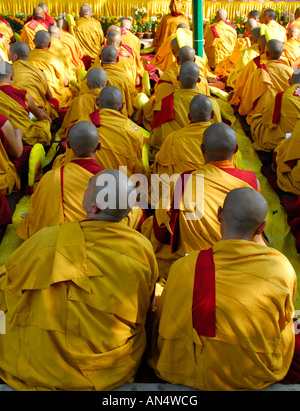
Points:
(212, 114)
(220, 214)
(118, 59)
(236, 149)
(202, 148)
(121, 107)
(98, 146)
(68, 144)
(199, 80)
(261, 228)
(189, 116)
(97, 101)
(93, 208)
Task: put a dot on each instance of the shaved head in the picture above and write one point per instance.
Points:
(274, 49)
(6, 71)
(200, 109)
(43, 6)
(293, 31)
(221, 15)
(175, 47)
(250, 25)
(83, 139)
(96, 78)
(114, 27)
(109, 54)
(19, 51)
(42, 39)
(86, 10)
(182, 26)
(186, 53)
(125, 23)
(244, 210)
(38, 13)
(55, 32)
(219, 142)
(114, 37)
(295, 77)
(189, 74)
(111, 97)
(109, 196)
(255, 35)
(254, 14)
(262, 42)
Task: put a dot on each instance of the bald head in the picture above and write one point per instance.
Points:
(85, 11)
(112, 98)
(293, 32)
(182, 26)
(96, 78)
(114, 27)
(38, 13)
(44, 7)
(249, 26)
(175, 47)
(268, 16)
(186, 53)
(255, 35)
(295, 79)
(83, 139)
(221, 15)
(6, 72)
(19, 51)
(55, 32)
(109, 55)
(110, 196)
(42, 39)
(219, 143)
(262, 42)
(189, 74)
(200, 109)
(297, 12)
(274, 49)
(126, 23)
(244, 212)
(254, 14)
(114, 37)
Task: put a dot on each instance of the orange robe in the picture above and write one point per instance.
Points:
(214, 347)
(62, 52)
(166, 28)
(291, 50)
(198, 227)
(6, 30)
(295, 22)
(74, 47)
(130, 40)
(90, 36)
(263, 84)
(220, 39)
(30, 29)
(81, 292)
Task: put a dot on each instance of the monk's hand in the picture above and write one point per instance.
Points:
(19, 134)
(44, 116)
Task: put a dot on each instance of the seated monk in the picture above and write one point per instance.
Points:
(224, 67)
(219, 39)
(6, 31)
(228, 310)
(71, 43)
(171, 113)
(265, 82)
(84, 104)
(32, 79)
(48, 18)
(59, 194)
(288, 164)
(121, 140)
(169, 83)
(255, 15)
(169, 23)
(16, 105)
(89, 307)
(33, 26)
(291, 47)
(4, 48)
(88, 32)
(296, 21)
(278, 118)
(181, 226)
(269, 18)
(54, 69)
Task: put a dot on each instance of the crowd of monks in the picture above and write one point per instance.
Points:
(143, 255)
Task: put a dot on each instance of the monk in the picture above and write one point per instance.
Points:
(171, 113)
(121, 140)
(72, 44)
(269, 18)
(84, 104)
(169, 83)
(33, 80)
(169, 23)
(89, 307)
(4, 48)
(227, 341)
(291, 47)
(220, 39)
(33, 26)
(42, 58)
(224, 67)
(62, 52)
(295, 22)
(6, 31)
(47, 17)
(88, 32)
(255, 15)
(288, 164)
(189, 222)
(16, 106)
(278, 119)
(59, 194)
(265, 82)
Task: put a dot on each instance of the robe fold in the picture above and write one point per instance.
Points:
(30, 29)
(166, 28)
(90, 36)
(74, 47)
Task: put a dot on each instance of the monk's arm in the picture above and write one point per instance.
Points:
(49, 95)
(14, 140)
(36, 111)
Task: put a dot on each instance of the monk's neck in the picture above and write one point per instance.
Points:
(221, 163)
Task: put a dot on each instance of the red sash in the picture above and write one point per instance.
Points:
(5, 213)
(33, 25)
(257, 61)
(277, 107)
(95, 118)
(166, 112)
(244, 175)
(88, 164)
(229, 24)
(215, 33)
(129, 49)
(17, 95)
(204, 295)
(3, 20)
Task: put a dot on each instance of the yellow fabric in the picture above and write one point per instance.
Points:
(164, 57)
(54, 70)
(66, 323)
(253, 333)
(7, 31)
(34, 131)
(229, 63)
(134, 43)
(262, 85)
(28, 35)
(81, 106)
(199, 231)
(278, 30)
(291, 50)
(59, 49)
(73, 45)
(288, 178)
(267, 135)
(9, 178)
(217, 49)
(3, 51)
(89, 34)
(166, 28)
(121, 143)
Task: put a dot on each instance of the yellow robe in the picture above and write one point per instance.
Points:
(74, 47)
(217, 48)
(198, 224)
(34, 131)
(267, 134)
(7, 31)
(82, 317)
(291, 50)
(90, 36)
(252, 333)
(129, 39)
(4, 56)
(278, 30)
(262, 86)
(9, 178)
(121, 143)
(29, 31)
(244, 58)
(166, 28)
(30, 78)
(54, 70)
(63, 53)
(288, 164)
